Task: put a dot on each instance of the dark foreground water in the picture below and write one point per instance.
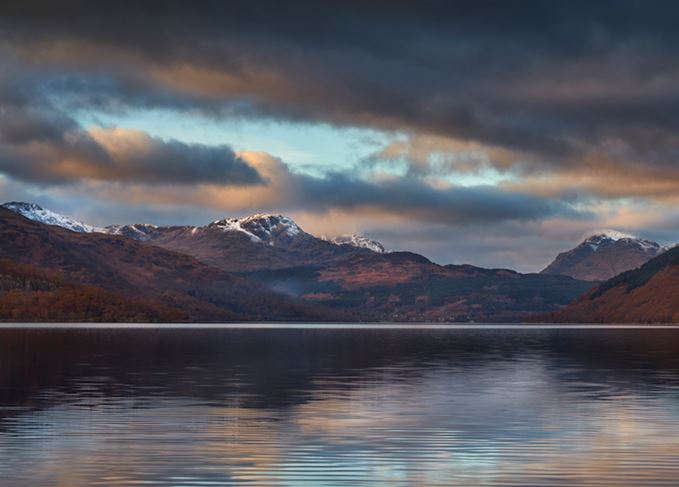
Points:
(317, 407)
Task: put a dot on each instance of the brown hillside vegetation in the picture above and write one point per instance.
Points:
(26, 294)
(649, 294)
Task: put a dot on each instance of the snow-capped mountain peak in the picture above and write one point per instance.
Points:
(604, 255)
(261, 227)
(611, 237)
(359, 241)
(39, 214)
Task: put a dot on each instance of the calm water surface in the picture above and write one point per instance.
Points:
(317, 407)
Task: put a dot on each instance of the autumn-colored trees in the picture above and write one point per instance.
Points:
(29, 294)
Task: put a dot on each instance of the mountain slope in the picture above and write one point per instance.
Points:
(649, 294)
(133, 270)
(39, 214)
(28, 294)
(401, 286)
(602, 256)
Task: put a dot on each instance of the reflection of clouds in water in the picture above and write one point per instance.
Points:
(117, 444)
(518, 428)
(508, 393)
(504, 423)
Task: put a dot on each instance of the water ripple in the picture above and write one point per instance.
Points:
(301, 407)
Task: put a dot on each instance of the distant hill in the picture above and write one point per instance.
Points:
(649, 294)
(603, 256)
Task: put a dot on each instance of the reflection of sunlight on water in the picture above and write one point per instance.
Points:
(454, 417)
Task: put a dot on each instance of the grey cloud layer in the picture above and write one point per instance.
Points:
(39, 143)
(455, 205)
(556, 81)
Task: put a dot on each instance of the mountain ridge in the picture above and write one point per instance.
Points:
(259, 227)
(38, 213)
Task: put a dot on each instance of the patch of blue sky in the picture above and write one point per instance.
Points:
(308, 148)
(314, 149)
(482, 175)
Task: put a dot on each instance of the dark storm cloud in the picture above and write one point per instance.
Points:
(400, 198)
(478, 204)
(556, 80)
(40, 143)
(126, 156)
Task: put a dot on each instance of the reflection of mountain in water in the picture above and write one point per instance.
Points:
(279, 368)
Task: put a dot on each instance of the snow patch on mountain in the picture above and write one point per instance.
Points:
(137, 231)
(233, 225)
(261, 227)
(39, 214)
(359, 241)
(612, 234)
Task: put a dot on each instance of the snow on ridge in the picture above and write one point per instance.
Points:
(607, 236)
(267, 223)
(260, 227)
(37, 213)
(614, 235)
(138, 231)
(234, 225)
(359, 241)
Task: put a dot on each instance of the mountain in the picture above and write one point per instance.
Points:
(401, 286)
(133, 273)
(348, 280)
(603, 256)
(39, 214)
(358, 241)
(649, 294)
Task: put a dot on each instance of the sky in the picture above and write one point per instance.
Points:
(490, 133)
